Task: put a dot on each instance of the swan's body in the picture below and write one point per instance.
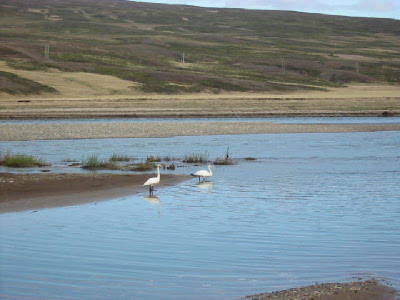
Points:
(153, 181)
(203, 173)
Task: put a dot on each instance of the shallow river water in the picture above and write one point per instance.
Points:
(311, 208)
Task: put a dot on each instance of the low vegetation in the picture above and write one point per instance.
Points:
(118, 157)
(224, 49)
(153, 158)
(250, 158)
(14, 84)
(224, 161)
(94, 163)
(21, 161)
(196, 158)
(69, 160)
(227, 160)
(117, 161)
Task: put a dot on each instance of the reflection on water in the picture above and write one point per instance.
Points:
(311, 208)
(207, 185)
(154, 200)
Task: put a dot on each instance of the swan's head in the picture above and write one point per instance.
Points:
(210, 166)
(159, 166)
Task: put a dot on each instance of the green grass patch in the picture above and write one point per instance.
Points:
(21, 161)
(26, 65)
(169, 158)
(153, 158)
(94, 163)
(118, 157)
(196, 158)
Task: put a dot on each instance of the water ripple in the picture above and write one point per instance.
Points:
(302, 213)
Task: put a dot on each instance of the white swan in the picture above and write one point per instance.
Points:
(203, 173)
(153, 181)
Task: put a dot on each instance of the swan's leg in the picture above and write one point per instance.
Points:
(199, 178)
(150, 190)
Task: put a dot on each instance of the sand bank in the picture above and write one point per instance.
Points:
(20, 192)
(21, 132)
(358, 290)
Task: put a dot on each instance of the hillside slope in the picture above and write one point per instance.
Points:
(175, 49)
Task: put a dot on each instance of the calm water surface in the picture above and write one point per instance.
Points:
(311, 208)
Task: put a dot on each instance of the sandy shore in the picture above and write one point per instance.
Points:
(21, 132)
(358, 290)
(20, 192)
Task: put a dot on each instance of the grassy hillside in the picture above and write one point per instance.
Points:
(225, 49)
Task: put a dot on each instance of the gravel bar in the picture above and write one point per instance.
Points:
(24, 132)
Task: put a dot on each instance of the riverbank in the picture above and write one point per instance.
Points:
(21, 192)
(64, 131)
(357, 290)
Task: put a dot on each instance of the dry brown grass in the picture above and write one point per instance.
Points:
(74, 84)
(86, 94)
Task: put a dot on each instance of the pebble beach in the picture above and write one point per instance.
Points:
(51, 131)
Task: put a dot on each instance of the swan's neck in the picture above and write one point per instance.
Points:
(158, 172)
(209, 169)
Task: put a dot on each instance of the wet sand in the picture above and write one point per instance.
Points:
(21, 192)
(357, 290)
(51, 131)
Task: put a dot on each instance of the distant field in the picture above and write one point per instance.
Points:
(355, 100)
(175, 49)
